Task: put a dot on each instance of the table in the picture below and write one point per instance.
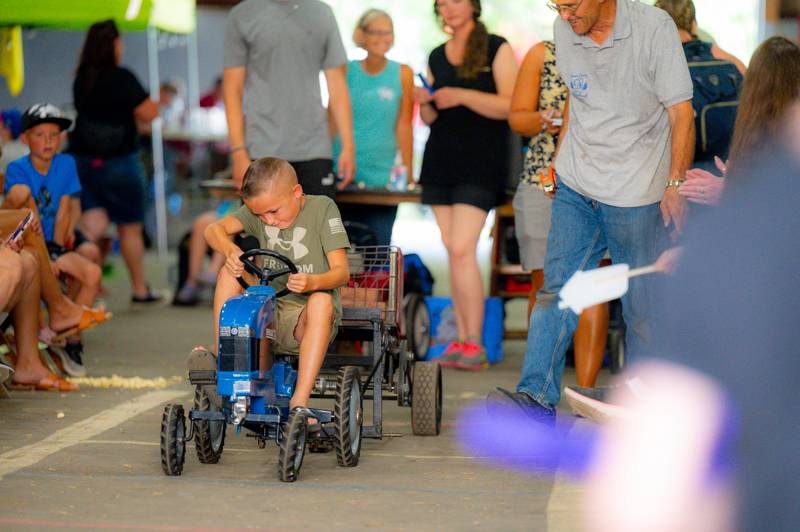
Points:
(355, 196)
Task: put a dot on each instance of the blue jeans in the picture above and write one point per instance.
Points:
(582, 229)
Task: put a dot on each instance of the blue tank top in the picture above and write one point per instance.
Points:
(376, 104)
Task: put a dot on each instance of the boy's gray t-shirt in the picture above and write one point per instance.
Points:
(284, 45)
(317, 230)
(617, 149)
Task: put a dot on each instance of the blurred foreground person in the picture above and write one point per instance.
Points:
(732, 318)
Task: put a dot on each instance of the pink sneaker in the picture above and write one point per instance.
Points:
(451, 354)
(473, 357)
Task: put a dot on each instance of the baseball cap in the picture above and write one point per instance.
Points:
(43, 113)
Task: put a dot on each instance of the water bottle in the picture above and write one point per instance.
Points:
(398, 178)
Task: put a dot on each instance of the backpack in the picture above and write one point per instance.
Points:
(417, 276)
(716, 99)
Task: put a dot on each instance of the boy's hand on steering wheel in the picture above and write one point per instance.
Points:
(232, 263)
(299, 283)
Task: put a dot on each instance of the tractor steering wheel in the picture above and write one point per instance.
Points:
(265, 275)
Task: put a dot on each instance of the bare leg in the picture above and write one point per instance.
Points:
(198, 246)
(466, 282)
(227, 287)
(12, 278)
(313, 332)
(590, 344)
(444, 219)
(131, 245)
(86, 273)
(94, 224)
(29, 367)
(63, 313)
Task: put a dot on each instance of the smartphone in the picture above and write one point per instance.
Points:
(20, 229)
(557, 121)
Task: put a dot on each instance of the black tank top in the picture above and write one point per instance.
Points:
(463, 146)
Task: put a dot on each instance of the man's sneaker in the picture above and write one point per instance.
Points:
(473, 357)
(595, 404)
(451, 354)
(75, 353)
(501, 399)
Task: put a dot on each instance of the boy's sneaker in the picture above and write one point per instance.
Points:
(473, 357)
(451, 354)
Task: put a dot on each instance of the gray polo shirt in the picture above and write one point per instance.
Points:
(284, 45)
(618, 145)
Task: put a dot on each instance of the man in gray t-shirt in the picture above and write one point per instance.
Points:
(274, 52)
(625, 145)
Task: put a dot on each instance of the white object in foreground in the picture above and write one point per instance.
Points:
(588, 288)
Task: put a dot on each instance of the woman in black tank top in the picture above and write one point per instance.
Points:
(465, 165)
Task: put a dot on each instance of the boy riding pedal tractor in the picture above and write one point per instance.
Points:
(308, 230)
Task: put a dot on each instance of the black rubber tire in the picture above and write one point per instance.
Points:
(209, 436)
(173, 448)
(616, 351)
(349, 414)
(405, 365)
(293, 447)
(418, 325)
(426, 399)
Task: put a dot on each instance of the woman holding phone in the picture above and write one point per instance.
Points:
(466, 160)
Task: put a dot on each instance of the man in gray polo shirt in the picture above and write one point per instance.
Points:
(274, 52)
(626, 143)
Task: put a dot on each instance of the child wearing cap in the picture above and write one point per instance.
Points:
(46, 181)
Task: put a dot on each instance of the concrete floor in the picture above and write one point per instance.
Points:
(98, 465)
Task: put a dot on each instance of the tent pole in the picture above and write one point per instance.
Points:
(192, 70)
(158, 147)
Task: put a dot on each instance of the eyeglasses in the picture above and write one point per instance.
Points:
(570, 9)
(379, 33)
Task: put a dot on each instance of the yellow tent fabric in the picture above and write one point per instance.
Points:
(175, 16)
(11, 59)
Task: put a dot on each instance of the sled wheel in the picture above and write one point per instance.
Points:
(616, 351)
(293, 446)
(209, 436)
(418, 326)
(349, 416)
(426, 399)
(173, 449)
(404, 368)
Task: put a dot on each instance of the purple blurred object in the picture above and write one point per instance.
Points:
(508, 437)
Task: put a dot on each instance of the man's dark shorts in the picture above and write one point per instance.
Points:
(115, 184)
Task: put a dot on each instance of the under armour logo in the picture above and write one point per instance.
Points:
(274, 241)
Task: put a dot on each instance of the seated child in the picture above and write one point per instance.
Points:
(308, 230)
(47, 181)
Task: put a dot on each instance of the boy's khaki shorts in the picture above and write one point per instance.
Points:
(288, 315)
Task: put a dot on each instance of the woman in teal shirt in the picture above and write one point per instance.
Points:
(381, 95)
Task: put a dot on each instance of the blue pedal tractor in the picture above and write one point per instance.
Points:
(252, 385)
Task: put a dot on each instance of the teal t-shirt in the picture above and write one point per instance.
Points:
(376, 104)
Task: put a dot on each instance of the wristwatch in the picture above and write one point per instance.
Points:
(674, 183)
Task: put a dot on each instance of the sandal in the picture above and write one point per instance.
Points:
(90, 318)
(50, 383)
